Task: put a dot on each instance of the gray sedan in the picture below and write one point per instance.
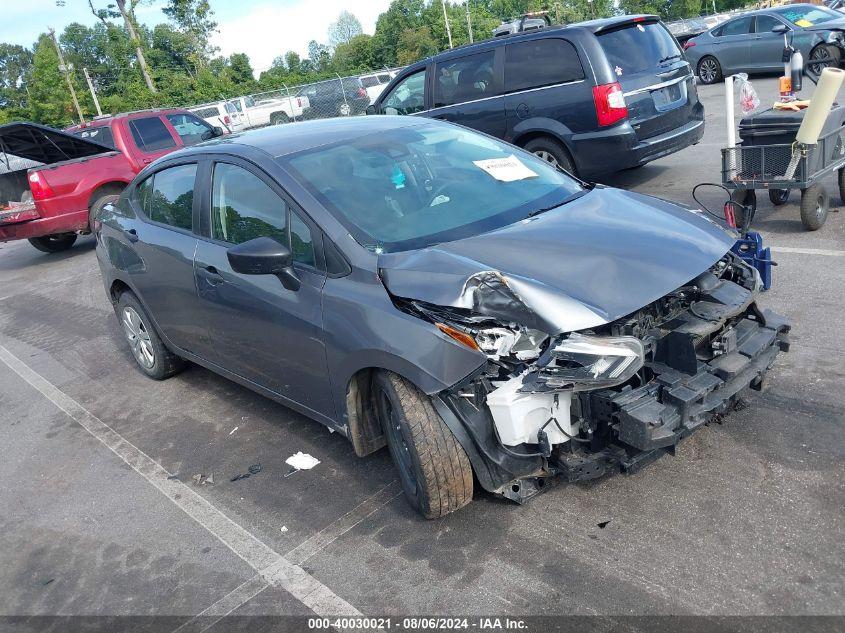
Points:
(747, 43)
(416, 285)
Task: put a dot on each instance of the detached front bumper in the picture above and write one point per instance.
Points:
(631, 427)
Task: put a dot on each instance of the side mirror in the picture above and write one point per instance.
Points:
(264, 256)
(780, 29)
(218, 131)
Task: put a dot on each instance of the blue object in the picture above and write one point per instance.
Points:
(750, 249)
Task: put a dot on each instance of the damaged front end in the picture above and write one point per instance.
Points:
(606, 398)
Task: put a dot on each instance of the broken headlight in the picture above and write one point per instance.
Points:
(588, 362)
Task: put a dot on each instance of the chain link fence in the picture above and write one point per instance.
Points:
(337, 97)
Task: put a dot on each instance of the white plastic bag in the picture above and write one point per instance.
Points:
(748, 99)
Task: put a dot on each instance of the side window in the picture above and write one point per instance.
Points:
(464, 79)
(101, 134)
(243, 207)
(172, 197)
(740, 26)
(408, 96)
(144, 195)
(539, 63)
(765, 24)
(150, 134)
(190, 129)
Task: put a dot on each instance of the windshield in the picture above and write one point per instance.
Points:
(639, 48)
(808, 16)
(412, 187)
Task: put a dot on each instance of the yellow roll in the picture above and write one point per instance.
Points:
(816, 114)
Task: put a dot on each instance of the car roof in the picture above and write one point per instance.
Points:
(280, 140)
(105, 120)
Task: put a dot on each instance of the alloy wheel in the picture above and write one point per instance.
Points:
(707, 70)
(547, 156)
(821, 59)
(138, 337)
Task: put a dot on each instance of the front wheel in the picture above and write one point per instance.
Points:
(54, 243)
(434, 470)
(152, 356)
(821, 57)
(815, 203)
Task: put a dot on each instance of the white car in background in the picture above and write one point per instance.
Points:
(222, 114)
(262, 110)
(374, 83)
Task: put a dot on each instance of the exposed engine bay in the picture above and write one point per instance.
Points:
(609, 397)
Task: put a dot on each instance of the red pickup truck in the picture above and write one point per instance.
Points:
(53, 184)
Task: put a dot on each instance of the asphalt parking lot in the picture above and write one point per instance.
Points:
(101, 514)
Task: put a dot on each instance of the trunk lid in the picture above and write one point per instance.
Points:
(655, 79)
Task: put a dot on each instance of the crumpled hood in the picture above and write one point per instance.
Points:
(584, 264)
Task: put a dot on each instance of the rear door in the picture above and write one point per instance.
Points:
(468, 91)
(767, 47)
(544, 78)
(655, 79)
(162, 242)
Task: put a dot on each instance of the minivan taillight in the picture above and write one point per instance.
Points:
(688, 44)
(227, 120)
(39, 187)
(362, 92)
(610, 103)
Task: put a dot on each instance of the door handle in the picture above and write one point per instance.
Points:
(211, 275)
(131, 235)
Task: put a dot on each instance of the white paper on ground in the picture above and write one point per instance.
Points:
(505, 169)
(302, 461)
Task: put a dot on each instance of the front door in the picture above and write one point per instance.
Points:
(258, 329)
(767, 47)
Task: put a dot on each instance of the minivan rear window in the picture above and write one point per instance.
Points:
(537, 63)
(639, 48)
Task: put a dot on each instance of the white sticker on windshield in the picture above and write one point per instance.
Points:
(505, 169)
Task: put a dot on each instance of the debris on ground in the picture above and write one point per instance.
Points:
(603, 524)
(302, 461)
(209, 480)
(172, 477)
(284, 528)
(47, 582)
(252, 470)
(233, 430)
(199, 478)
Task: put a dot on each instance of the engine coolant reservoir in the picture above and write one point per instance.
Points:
(518, 416)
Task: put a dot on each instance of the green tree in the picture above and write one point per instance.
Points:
(415, 44)
(194, 18)
(240, 69)
(50, 101)
(356, 55)
(15, 68)
(344, 29)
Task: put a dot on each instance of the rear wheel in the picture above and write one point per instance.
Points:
(344, 110)
(53, 243)
(152, 356)
(552, 152)
(278, 118)
(778, 196)
(841, 181)
(815, 203)
(434, 470)
(709, 70)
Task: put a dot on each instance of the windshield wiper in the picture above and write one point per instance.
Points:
(574, 196)
(669, 57)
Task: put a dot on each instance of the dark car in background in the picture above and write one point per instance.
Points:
(594, 97)
(415, 284)
(747, 43)
(335, 97)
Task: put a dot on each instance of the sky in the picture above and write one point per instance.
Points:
(263, 29)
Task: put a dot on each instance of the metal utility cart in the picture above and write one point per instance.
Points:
(746, 168)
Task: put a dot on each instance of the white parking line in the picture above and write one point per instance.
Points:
(807, 251)
(271, 566)
(229, 603)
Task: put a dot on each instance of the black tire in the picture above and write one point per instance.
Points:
(551, 151)
(815, 204)
(745, 197)
(434, 470)
(54, 243)
(841, 181)
(821, 57)
(778, 197)
(97, 206)
(279, 118)
(709, 70)
(164, 363)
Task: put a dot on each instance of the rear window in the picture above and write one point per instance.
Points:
(369, 82)
(151, 134)
(539, 63)
(639, 48)
(101, 135)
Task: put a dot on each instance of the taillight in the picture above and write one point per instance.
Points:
(688, 44)
(227, 120)
(362, 92)
(298, 102)
(610, 103)
(39, 187)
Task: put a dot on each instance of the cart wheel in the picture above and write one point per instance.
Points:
(815, 203)
(745, 197)
(778, 196)
(841, 174)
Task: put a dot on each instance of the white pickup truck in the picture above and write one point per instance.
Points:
(270, 110)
